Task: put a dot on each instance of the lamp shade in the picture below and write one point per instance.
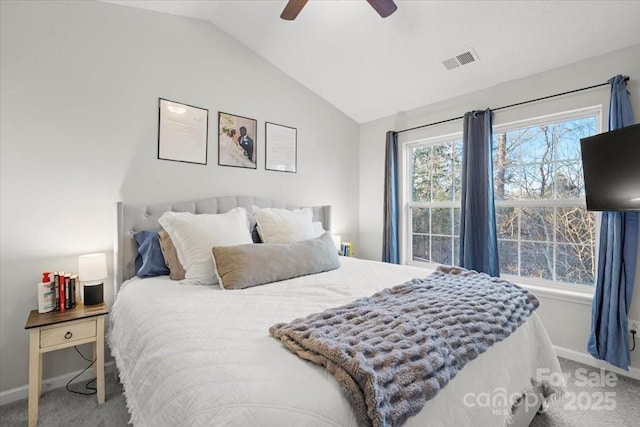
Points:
(92, 267)
(337, 241)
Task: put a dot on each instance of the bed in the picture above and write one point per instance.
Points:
(198, 355)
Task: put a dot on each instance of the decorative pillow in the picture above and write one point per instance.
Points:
(317, 231)
(194, 235)
(243, 266)
(285, 226)
(176, 270)
(149, 261)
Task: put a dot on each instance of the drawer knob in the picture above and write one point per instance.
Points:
(68, 335)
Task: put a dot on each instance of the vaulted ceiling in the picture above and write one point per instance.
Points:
(369, 67)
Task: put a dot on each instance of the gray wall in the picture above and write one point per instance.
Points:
(567, 322)
(80, 87)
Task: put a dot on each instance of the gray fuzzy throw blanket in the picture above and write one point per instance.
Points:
(395, 350)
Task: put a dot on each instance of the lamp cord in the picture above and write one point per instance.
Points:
(87, 386)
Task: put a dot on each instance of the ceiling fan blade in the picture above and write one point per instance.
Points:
(383, 7)
(292, 9)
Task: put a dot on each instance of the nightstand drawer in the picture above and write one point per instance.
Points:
(68, 333)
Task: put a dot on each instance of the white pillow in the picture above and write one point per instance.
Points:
(195, 235)
(286, 226)
(317, 229)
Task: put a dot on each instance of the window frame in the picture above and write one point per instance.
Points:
(407, 204)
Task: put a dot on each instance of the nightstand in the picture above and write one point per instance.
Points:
(54, 331)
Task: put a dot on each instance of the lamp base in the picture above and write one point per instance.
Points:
(93, 293)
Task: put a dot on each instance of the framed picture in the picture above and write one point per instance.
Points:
(237, 141)
(281, 148)
(182, 132)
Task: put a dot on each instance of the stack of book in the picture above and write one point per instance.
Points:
(65, 286)
(347, 249)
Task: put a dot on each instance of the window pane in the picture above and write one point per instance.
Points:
(528, 162)
(441, 250)
(536, 144)
(508, 257)
(507, 222)
(575, 225)
(457, 168)
(441, 221)
(569, 180)
(511, 141)
(420, 247)
(420, 220)
(568, 147)
(512, 188)
(536, 180)
(536, 260)
(537, 224)
(576, 264)
(421, 174)
(499, 165)
(506, 154)
(442, 173)
(569, 134)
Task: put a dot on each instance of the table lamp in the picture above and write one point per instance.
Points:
(337, 241)
(92, 269)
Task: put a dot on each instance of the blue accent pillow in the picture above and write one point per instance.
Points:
(150, 261)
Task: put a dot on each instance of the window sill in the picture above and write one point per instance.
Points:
(575, 296)
(568, 295)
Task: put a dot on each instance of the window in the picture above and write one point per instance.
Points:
(544, 230)
(435, 201)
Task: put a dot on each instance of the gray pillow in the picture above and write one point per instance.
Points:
(243, 266)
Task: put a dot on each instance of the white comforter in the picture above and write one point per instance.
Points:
(201, 356)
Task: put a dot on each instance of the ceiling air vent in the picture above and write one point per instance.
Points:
(463, 58)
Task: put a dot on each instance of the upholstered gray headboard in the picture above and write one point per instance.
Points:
(131, 218)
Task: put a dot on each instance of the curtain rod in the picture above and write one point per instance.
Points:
(508, 106)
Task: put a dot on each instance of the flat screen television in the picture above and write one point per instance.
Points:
(611, 167)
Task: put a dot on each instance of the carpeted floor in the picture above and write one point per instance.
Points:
(593, 401)
(60, 408)
(587, 405)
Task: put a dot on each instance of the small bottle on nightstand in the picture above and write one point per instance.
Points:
(46, 295)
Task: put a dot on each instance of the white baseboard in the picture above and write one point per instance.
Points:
(589, 360)
(19, 393)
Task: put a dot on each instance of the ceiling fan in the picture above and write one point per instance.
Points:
(293, 8)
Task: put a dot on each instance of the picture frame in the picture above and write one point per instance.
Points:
(182, 132)
(237, 141)
(281, 148)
